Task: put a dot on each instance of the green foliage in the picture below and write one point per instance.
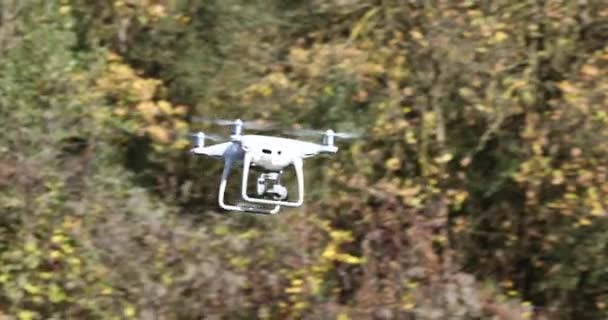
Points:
(478, 192)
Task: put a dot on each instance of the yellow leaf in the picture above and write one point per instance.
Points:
(57, 238)
(567, 87)
(349, 259)
(158, 134)
(121, 71)
(265, 90)
(55, 254)
(25, 315)
(148, 110)
(393, 164)
(416, 35)
(111, 56)
(129, 311)
(371, 68)
(314, 284)
(220, 230)
(590, 70)
(466, 93)
(341, 236)
(362, 23)
(597, 210)
(65, 9)
(166, 279)
(410, 137)
(45, 275)
(165, 107)
(74, 261)
(180, 110)
(30, 288)
(409, 306)
(300, 305)
(157, 11)
(121, 112)
(342, 316)
(279, 79)
(67, 248)
(500, 36)
(558, 177)
(30, 247)
(329, 252)
(144, 89)
(444, 158)
(409, 191)
(415, 202)
(584, 222)
(298, 55)
(293, 290)
(184, 20)
(180, 144)
(411, 284)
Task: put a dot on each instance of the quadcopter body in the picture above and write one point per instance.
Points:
(268, 152)
(271, 155)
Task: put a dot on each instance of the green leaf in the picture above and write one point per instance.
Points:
(56, 294)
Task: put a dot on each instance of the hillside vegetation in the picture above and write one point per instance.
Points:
(478, 191)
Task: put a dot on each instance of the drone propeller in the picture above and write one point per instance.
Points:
(254, 125)
(316, 133)
(212, 137)
(199, 138)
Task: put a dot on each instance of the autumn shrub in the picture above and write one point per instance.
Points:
(476, 191)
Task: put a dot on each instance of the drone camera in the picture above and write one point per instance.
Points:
(269, 185)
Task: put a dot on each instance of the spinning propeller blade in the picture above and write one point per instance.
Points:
(317, 133)
(212, 137)
(254, 125)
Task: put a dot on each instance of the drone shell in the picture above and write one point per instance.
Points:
(275, 153)
(271, 153)
(220, 150)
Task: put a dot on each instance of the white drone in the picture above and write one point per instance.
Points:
(272, 155)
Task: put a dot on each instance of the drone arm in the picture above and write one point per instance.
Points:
(298, 165)
(224, 180)
(329, 149)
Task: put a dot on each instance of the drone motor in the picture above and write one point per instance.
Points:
(237, 129)
(198, 140)
(328, 137)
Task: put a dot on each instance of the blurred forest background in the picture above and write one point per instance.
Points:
(478, 193)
